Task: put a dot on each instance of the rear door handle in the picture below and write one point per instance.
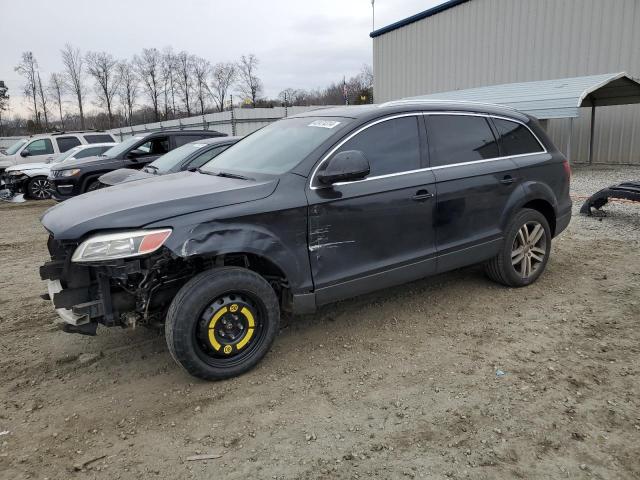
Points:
(422, 195)
(507, 180)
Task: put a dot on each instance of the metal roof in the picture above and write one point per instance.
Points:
(418, 16)
(559, 98)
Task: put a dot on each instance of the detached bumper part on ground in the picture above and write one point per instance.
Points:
(624, 191)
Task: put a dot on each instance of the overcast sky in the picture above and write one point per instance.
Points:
(300, 43)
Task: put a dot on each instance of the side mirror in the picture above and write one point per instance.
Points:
(24, 153)
(134, 154)
(346, 166)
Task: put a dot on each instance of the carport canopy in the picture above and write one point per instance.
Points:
(559, 98)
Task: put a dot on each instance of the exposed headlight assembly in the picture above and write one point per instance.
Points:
(69, 173)
(16, 173)
(110, 246)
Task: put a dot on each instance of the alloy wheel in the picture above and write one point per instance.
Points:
(529, 249)
(40, 189)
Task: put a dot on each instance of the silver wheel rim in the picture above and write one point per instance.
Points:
(529, 249)
(40, 189)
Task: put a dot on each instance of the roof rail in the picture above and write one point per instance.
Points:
(64, 132)
(408, 101)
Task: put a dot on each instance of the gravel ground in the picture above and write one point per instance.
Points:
(448, 377)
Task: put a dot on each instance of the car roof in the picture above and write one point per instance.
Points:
(101, 144)
(409, 105)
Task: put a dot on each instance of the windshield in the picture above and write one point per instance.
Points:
(169, 160)
(122, 147)
(278, 147)
(16, 146)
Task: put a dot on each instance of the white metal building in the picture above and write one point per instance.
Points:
(462, 44)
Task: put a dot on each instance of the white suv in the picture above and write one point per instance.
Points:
(45, 147)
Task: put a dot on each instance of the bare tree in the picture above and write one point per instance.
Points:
(249, 83)
(128, 88)
(28, 68)
(149, 68)
(224, 75)
(288, 96)
(74, 75)
(201, 71)
(43, 101)
(4, 103)
(184, 65)
(168, 79)
(102, 67)
(55, 91)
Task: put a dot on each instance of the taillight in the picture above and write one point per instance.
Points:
(567, 168)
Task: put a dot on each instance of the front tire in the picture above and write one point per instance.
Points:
(222, 323)
(39, 188)
(525, 250)
(94, 185)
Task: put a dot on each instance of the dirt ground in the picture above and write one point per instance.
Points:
(398, 384)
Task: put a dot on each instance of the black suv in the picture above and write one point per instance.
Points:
(73, 178)
(309, 210)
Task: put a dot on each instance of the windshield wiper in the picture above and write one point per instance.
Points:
(224, 174)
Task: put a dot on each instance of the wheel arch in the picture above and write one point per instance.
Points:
(534, 195)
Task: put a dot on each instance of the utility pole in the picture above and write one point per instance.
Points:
(373, 15)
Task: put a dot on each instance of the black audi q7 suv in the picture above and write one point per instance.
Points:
(309, 210)
(73, 178)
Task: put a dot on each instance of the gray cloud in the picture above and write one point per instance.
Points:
(300, 44)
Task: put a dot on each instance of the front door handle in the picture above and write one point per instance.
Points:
(507, 180)
(422, 195)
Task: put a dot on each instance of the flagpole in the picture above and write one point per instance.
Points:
(373, 15)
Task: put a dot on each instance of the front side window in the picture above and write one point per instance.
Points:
(66, 143)
(206, 156)
(156, 146)
(120, 148)
(459, 138)
(42, 146)
(515, 138)
(391, 146)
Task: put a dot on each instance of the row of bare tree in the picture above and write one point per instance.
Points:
(174, 84)
(157, 85)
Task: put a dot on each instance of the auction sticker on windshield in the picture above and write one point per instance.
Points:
(324, 124)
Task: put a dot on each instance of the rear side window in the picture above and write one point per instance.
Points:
(391, 146)
(66, 143)
(184, 139)
(96, 138)
(515, 138)
(459, 138)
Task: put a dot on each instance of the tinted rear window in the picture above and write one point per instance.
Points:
(515, 138)
(460, 138)
(96, 138)
(65, 143)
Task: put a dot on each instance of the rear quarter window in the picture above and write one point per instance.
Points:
(98, 138)
(459, 139)
(515, 138)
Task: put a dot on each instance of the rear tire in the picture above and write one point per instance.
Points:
(200, 330)
(525, 250)
(39, 188)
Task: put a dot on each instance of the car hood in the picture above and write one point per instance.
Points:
(84, 162)
(29, 166)
(123, 175)
(135, 204)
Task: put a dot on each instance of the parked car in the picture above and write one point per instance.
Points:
(30, 179)
(189, 156)
(74, 178)
(311, 209)
(44, 147)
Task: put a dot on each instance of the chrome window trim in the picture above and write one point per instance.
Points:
(439, 167)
